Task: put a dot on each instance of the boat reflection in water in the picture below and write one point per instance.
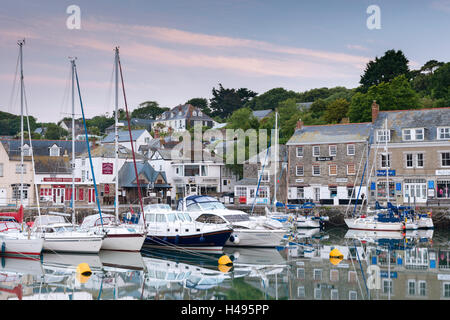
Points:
(406, 265)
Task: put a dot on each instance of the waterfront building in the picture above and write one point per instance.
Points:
(181, 118)
(325, 163)
(417, 159)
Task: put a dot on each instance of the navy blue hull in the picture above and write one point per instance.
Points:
(213, 240)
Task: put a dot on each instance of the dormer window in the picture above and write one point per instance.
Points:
(413, 134)
(443, 133)
(54, 151)
(383, 135)
(199, 113)
(180, 113)
(194, 113)
(26, 150)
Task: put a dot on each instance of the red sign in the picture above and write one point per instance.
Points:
(107, 168)
(106, 188)
(61, 179)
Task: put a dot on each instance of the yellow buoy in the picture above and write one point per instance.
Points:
(223, 268)
(83, 272)
(224, 260)
(336, 256)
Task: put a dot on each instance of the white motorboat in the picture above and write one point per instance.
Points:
(247, 231)
(15, 239)
(372, 223)
(176, 230)
(61, 236)
(117, 236)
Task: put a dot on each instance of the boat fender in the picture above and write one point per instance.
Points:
(202, 238)
(234, 239)
(3, 248)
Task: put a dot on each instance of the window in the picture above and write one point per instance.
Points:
(316, 151)
(387, 286)
(317, 274)
(351, 169)
(54, 151)
(204, 171)
(383, 135)
(443, 133)
(241, 191)
(446, 289)
(24, 170)
(199, 113)
(264, 176)
(332, 169)
(299, 151)
(352, 295)
(411, 287)
(422, 288)
(349, 192)
(409, 160)
(147, 140)
(16, 192)
(299, 171)
(385, 161)
(301, 292)
(194, 113)
(316, 170)
(412, 134)
(1, 169)
(300, 273)
(300, 193)
(334, 275)
(334, 294)
(445, 159)
(333, 191)
(317, 293)
(263, 193)
(419, 162)
(333, 151)
(350, 149)
(352, 276)
(191, 170)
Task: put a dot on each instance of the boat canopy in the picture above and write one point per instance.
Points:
(200, 203)
(95, 220)
(157, 207)
(44, 220)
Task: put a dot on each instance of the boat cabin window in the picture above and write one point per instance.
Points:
(236, 217)
(150, 217)
(193, 207)
(212, 205)
(171, 217)
(160, 218)
(210, 218)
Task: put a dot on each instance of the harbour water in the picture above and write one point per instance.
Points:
(374, 266)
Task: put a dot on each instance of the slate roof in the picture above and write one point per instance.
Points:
(184, 111)
(108, 151)
(127, 175)
(336, 133)
(247, 182)
(260, 157)
(41, 147)
(124, 136)
(430, 119)
(260, 114)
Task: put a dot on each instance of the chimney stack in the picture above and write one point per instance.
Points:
(375, 110)
(299, 124)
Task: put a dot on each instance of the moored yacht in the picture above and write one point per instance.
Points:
(117, 236)
(62, 236)
(176, 230)
(247, 230)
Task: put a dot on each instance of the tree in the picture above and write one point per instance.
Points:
(318, 108)
(336, 110)
(270, 99)
(55, 132)
(148, 110)
(391, 65)
(226, 101)
(431, 66)
(243, 119)
(395, 95)
(202, 104)
(440, 83)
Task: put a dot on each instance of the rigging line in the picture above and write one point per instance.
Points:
(108, 96)
(362, 271)
(65, 100)
(354, 182)
(88, 147)
(131, 141)
(371, 169)
(354, 268)
(14, 85)
(32, 152)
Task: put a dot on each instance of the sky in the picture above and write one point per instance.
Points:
(172, 51)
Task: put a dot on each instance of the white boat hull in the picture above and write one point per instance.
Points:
(307, 223)
(21, 247)
(73, 244)
(123, 241)
(425, 223)
(370, 224)
(255, 238)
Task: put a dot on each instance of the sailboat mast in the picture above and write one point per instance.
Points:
(275, 163)
(21, 43)
(72, 62)
(116, 134)
(387, 160)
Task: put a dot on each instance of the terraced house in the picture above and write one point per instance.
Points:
(417, 159)
(326, 162)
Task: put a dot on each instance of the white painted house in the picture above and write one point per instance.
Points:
(139, 137)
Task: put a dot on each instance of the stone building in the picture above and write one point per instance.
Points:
(326, 163)
(417, 159)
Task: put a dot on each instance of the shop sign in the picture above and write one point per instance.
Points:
(107, 168)
(324, 158)
(382, 173)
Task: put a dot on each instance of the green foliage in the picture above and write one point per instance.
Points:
(391, 65)
(10, 123)
(147, 110)
(318, 108)
(441, 83)
(242, 119)
(394, 95)
(99, 124)
(336, 110)
(55, 132)
(270, 99)
(226, 101)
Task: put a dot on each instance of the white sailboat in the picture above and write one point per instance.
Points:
(14, 240)
(118, 236)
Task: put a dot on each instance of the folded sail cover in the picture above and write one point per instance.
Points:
(16, 215)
